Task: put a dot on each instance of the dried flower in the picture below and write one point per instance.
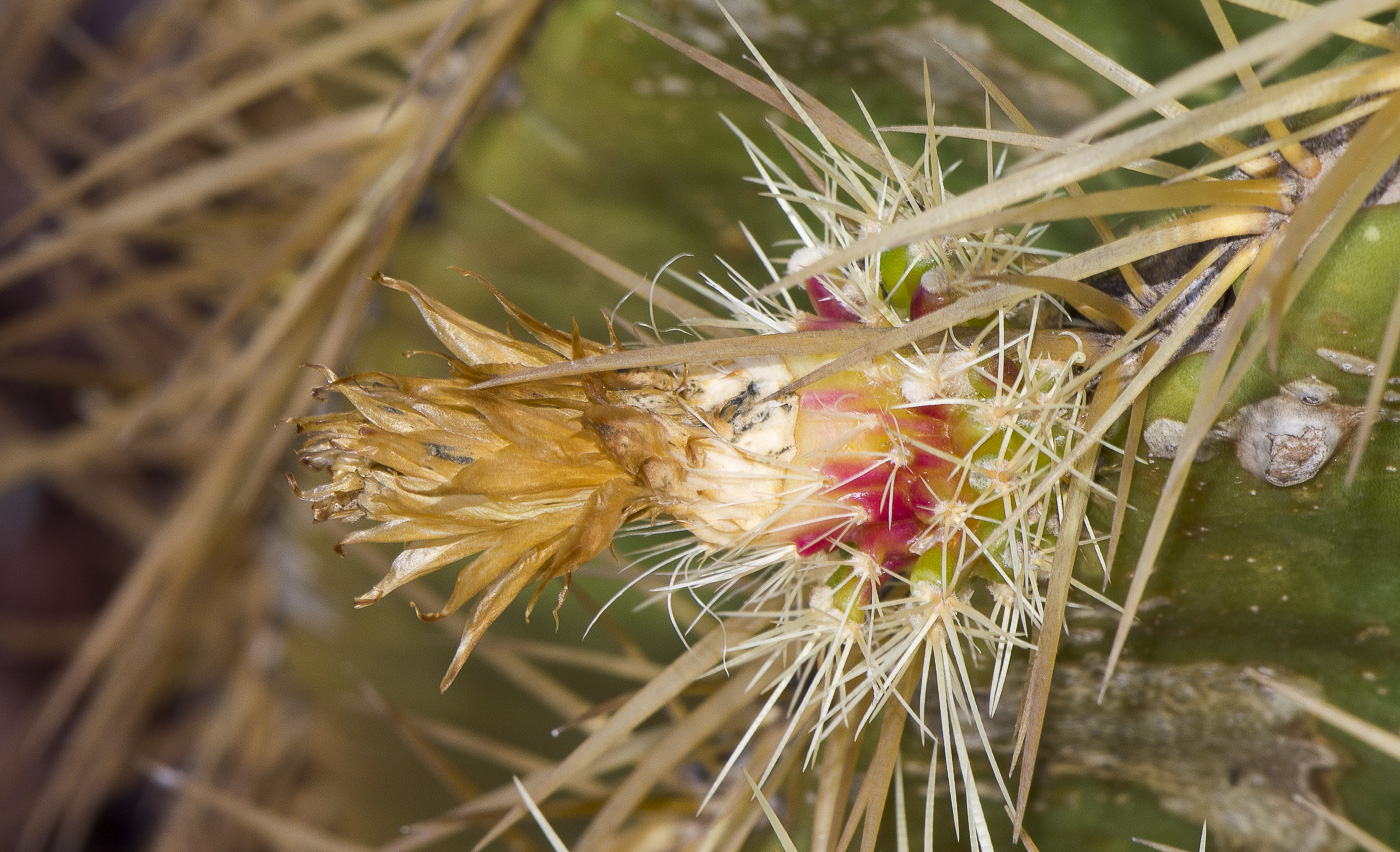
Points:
(532, 480)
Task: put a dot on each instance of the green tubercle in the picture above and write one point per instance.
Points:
(900, 272)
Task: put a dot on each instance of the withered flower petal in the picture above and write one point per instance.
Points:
(528, 482)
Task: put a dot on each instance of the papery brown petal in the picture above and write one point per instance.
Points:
(369, 381)
(607, 509)
(338, 488)
(420, 528)
(556, 340)
(334, 422)
(512, 473)
(389, 409)
(453, 447)
(519, 549)
(467, 425)
(470, 341)
(415, 562)
(492, 603)
(396, 452)
(469, 510)
(542, 432)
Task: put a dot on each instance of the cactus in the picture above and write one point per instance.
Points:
(902, 440)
